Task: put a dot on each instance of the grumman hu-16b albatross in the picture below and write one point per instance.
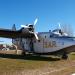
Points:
(54, 42)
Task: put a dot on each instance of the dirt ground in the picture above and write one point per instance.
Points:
(35, 65)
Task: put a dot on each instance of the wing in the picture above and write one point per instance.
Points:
(15, 34)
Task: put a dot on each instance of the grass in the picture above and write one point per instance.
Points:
(17, 63)
(67, 71)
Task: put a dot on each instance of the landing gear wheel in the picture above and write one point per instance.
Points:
(23, 53)
(64, 56)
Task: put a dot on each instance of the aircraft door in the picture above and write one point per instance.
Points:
(31, 45)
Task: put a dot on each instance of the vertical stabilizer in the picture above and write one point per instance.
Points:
(14, 29)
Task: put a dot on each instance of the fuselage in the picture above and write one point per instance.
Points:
(48, 42)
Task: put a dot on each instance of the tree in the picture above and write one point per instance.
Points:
(67, 29)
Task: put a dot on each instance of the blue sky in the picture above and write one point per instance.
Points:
(49, 13)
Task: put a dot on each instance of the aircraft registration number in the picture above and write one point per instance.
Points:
(49, 44)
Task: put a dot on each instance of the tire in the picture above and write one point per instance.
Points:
(23, 53)
(64, 56)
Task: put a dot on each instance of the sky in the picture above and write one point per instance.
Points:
(48, 12)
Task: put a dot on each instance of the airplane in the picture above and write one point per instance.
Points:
(56, 42)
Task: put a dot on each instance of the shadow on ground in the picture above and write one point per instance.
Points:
(29, 57)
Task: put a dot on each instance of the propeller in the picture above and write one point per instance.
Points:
(28, 26)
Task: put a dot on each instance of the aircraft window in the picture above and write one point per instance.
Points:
(54, 43)
(51, 35)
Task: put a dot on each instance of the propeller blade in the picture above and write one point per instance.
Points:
(59, 25)
(24, 26)
(35, 21)
(36, 36)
